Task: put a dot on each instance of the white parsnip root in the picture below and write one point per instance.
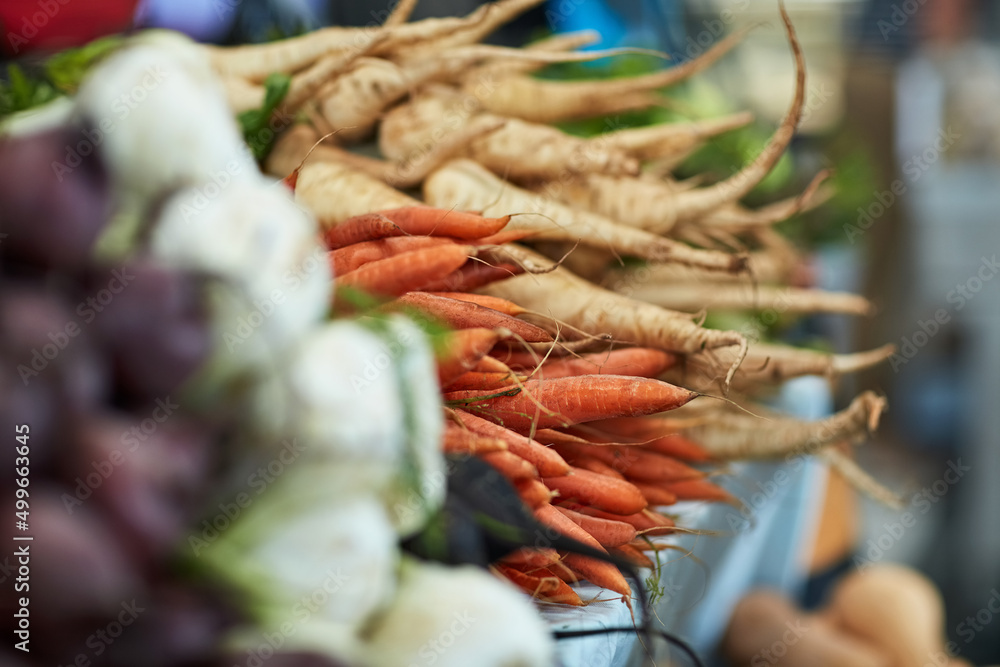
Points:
(769, 364)
(468, 186)
(571, 299)
(553, 101)
(694, 297)
(855, 475)
(733, 435)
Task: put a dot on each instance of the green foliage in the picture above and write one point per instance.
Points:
(66, 69)
(254, 122)
(60, 75)
(719, 158)
(21, 92)
(853, 182)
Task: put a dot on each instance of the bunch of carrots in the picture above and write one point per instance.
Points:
(566, 416)
(561, 357)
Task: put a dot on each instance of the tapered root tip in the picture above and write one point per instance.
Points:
(875, 405)
(740, 356)
(851, 363)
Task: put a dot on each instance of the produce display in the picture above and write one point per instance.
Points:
(329, 343)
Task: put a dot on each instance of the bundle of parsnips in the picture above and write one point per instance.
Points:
(561, 351)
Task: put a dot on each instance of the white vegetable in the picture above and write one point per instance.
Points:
(456, 617)
(159, 117)
(419, 487)
(37, 119)
(365, 403)
(308, 559)
(346, 407)
(276, 281)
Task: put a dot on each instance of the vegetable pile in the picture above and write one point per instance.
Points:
(449, 349)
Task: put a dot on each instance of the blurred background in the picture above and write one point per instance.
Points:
(904, 104)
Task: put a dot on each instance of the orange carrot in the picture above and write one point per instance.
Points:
(548, 463)
(462, 350)
(411, 221)
(656, 494)
(608, 533)
(463, 315)
(656, 434)
(648, 522)
(522, 359)
(637, 464)
(648, 545)
(596, 465)
(633, 555)
(360, 228)
(494, 302)
(532, 492)
(444, 222)
(490, 364)
(528, 559)
(678, 446)
(483, 382)
(349, 258)
(503, 236)
(633, 361)
(600, 491)
(645, 428)
(699, 489)
(553, 437)
(564, 594)
(545, 588)
(553, 518)
(601, 573)
(645, 466)
(572, 400)
(474, 274)
(510, 465)
(560, 571)
(457, 440)
(407, 271)
(573, 452)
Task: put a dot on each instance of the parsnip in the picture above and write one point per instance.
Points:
(468, 186)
